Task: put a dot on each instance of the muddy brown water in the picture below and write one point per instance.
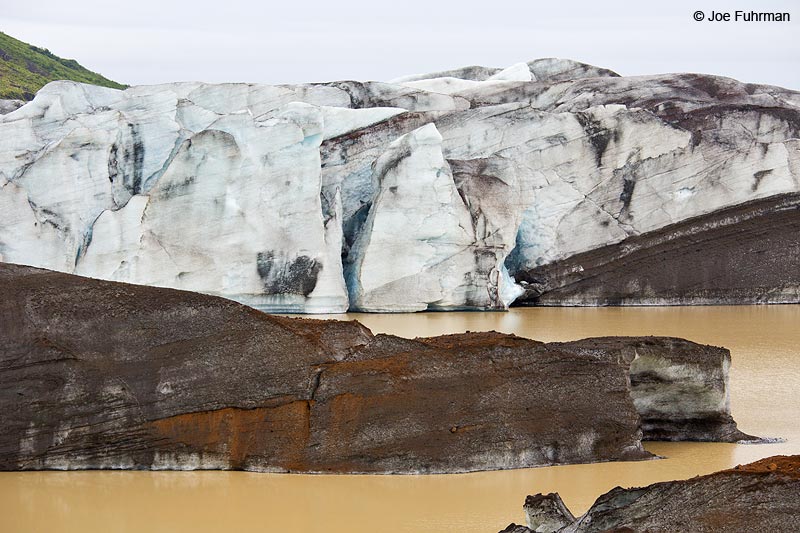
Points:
(765, 398)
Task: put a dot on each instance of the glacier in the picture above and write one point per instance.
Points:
(550, 182)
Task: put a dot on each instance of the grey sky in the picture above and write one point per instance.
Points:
(153, 41)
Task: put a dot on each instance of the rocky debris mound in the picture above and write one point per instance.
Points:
(546, 512)
(98, 374)
(760, 496)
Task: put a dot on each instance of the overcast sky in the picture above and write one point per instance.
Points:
(154, 41)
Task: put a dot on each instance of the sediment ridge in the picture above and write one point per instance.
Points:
(99, 374)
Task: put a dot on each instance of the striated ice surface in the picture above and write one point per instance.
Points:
(428, 192)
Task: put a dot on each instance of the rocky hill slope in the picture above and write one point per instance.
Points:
(24, 69)
(550, 182)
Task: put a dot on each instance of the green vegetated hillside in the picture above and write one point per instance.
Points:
(24, 69)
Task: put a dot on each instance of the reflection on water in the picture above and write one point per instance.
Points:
(765, 398)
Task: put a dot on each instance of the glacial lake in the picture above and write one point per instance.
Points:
(765, 398)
